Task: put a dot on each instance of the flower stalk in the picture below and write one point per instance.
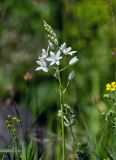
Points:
(50, 61)
(62, 116)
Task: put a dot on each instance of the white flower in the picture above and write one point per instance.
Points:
(43, 65)
(54, 58)
(65, 50)
(44, 53)
(73, 60)
(63, 46)
(71, 75)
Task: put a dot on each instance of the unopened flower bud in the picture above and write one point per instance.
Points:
(51, 32)
(56, 41)
(73, 60)
(51, 46)
(54, 34)
(71, 75)
(49, 35)
(52, 39)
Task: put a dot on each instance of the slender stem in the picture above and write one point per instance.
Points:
(72, 135)
(62, 118)
(66, 87)
(64, 68)
(74, 140)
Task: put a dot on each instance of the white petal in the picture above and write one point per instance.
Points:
(63, 46)
(45, 69)
(48, 49)
(72, 52)
(59, 58)
(68, 49)
(49, 59)
(38, 68)
(58, 53)
(64, 51)
(43, 51)
(73, 60)
(53, 62)
(52, 54)
(39, 62)
(43, 62)
(57, 62)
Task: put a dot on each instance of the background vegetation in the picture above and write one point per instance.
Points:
(87, 26)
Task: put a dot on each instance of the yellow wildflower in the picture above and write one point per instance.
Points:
(108, 86)
(111, 86)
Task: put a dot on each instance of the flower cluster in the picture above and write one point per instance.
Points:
(69, 115)
(111, 86)
(110, 115)
(12, 123)
(52, 56)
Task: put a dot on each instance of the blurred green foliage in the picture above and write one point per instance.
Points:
(87, 27)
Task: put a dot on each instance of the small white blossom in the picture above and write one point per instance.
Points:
(44, 53)
(66, 51)
(54, 57)
(71, 75)
(73, 60)
(63, 46)
(42, 65)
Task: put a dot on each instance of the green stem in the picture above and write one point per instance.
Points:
(72, 135)
(66, 87)
(62, 118)
(74, 140)
(64, 68)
